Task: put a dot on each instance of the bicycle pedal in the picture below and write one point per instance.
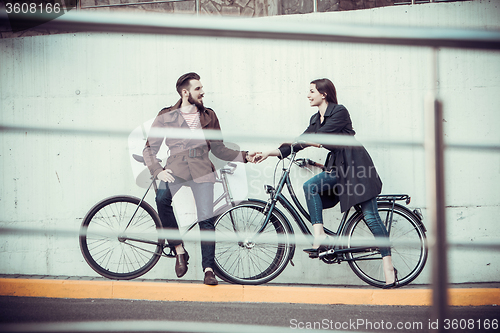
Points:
(323, 254)
(171, 254)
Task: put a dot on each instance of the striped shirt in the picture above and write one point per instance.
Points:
(192, 117)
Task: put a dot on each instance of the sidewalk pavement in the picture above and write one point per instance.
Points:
(476, 294)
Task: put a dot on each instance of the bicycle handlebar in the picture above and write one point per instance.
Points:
(305, 144)
(316, 164)
(313, 144)
(302, 162)
(230, 170)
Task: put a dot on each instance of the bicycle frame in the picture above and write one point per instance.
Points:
(276, 196)
(226, 195)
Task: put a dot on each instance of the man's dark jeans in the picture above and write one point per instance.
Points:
(204, 198)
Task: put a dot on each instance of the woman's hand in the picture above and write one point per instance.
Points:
(262, 156)
(166, 176)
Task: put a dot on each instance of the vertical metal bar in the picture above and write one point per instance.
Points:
(434, 147)
(315, 6)
(197, 6)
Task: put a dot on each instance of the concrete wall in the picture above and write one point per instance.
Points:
(117, 82)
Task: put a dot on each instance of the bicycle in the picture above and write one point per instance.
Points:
(120, 235)
(266, 244)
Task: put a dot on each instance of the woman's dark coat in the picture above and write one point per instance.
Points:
(358, 180)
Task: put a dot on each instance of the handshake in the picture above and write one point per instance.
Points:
(257, 157)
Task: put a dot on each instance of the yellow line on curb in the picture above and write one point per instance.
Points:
(174, 291)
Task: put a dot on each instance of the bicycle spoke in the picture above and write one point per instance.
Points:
(253, 257)
(408, 249)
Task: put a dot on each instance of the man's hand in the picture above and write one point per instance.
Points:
(251, 156)
(166, 176)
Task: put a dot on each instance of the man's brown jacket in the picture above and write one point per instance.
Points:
(188, 149)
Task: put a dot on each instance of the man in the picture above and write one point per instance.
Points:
(188, 165)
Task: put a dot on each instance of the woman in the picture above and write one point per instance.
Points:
(350, 176)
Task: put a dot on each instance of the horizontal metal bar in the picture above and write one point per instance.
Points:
(470, 146)
(181, 133)
(216, 135)
(480, 245)
(176, 24)
(142, 326)
(490, 244)
(201, 235)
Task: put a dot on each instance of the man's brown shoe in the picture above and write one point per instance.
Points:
(210, 278)
(181, 263)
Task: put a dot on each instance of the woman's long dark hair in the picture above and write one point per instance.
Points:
(327, 88)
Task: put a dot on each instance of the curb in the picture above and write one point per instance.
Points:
(174, 291)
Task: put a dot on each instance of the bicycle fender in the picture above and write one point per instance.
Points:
(410, 212)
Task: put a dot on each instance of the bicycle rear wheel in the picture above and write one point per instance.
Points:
(244, 257)
(409, 249)
(119, 238)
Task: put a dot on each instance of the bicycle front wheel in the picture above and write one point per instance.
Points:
(119, 238)
(408, 250)
(244, 256)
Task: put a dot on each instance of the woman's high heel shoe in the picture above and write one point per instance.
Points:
(395, 284)
(314, 253)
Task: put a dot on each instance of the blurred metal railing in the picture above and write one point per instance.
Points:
(143, 326)
(250, 28)
(410, 36)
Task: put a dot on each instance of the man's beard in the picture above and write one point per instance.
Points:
(191, 100)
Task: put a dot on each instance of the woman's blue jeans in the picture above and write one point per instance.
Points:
(328, 182)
